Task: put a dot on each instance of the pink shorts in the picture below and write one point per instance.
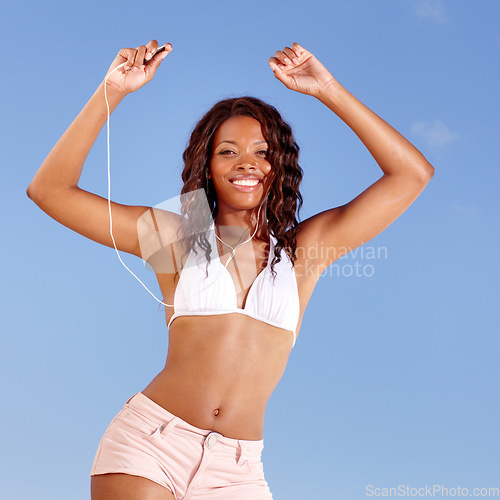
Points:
(146, 440)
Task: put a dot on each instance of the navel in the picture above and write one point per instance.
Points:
(216, 412)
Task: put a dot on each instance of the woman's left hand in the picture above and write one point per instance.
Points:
(299, 70)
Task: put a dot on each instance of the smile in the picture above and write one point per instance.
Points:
(246, 185)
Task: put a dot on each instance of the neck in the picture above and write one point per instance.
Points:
(241, 222)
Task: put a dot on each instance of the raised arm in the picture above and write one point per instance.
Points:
(405, 170)
(54, 187)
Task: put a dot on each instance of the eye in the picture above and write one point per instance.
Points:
(265, 152)
(226, 151)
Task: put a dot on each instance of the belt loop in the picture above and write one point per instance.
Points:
(165, 429)
(243, 453)
(131, 398)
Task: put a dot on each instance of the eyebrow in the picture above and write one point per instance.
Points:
(235, 143)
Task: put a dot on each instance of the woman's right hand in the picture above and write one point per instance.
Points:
(135, 73)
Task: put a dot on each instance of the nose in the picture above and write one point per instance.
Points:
(246, 160)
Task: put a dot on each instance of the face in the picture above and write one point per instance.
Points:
(239, 165)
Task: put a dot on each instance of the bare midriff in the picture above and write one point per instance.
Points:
(220, 372)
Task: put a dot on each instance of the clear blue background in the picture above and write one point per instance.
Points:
(394, 379)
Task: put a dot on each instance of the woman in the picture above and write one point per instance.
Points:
(196, 430)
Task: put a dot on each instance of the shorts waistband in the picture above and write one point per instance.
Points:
(156, 412)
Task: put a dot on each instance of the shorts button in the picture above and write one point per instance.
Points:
(212, 440)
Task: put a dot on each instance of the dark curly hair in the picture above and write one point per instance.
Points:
(283, 199)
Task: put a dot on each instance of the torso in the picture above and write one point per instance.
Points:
(221, 370)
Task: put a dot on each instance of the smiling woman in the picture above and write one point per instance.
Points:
(237, 284)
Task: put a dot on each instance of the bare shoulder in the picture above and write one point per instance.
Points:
(159, 237)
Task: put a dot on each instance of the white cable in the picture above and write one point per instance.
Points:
(109, 194)
(234, 249)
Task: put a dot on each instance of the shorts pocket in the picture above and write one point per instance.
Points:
(138, 422)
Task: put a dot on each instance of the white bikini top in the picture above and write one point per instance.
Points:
(275, 302)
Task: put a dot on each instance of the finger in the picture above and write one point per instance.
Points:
(151, 48)
(278, 71)
(296, 46)
(299, 50)
(164, 48)
(289, 55)
(280, 56)
(140, 54)
(275, 64)
(279, 74)
(128, 56)
(296, 49)
(158, 58)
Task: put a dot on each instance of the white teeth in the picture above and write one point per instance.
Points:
(246, 183)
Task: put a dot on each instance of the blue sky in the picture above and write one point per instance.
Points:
(394, 379)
